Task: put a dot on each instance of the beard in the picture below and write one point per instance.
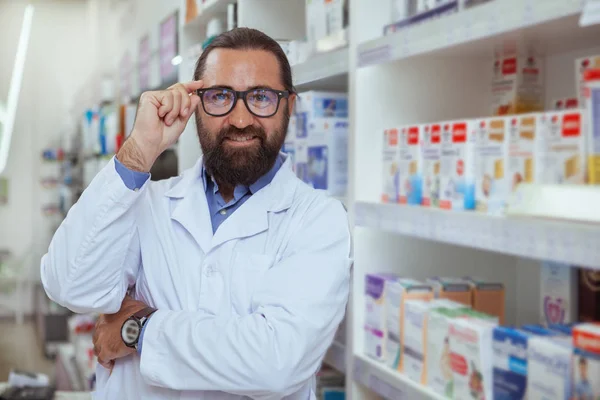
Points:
(233, 166)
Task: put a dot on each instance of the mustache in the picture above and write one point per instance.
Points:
(233, 132)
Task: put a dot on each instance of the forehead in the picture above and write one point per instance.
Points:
(242, 69)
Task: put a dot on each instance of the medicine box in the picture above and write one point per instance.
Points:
(549, 367)
(410, 165)
(581, 66)
(376, 287)
(488, 297)
(456, 289)
(327, 155)
(399, 291)
(457, 177)
(561, 156)
(592, 103)
(491, 162)
(414, 345)
(391, 171)
(558, 291)
(524, 131)
(517, 84)
(586, 340)
(315, 104)
(439, 367)
(510, 363)
(471, 357)
(431, 147)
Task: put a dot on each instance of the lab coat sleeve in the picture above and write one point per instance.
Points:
(94, 255)
(274, 351)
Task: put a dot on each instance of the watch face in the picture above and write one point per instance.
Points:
(130, 332)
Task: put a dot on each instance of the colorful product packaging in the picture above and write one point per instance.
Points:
(414, 345)
(525, 131)
(431, 165)
(457, 175)
(549, 367)
(581, 66)
(586, 341)
(491, 162)
(592, 104)
(558, 290)
(456, 289)
(410, 165)
(510, 363)
(376, 287)
(391, 170)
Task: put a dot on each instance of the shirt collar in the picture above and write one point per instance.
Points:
(255, 187)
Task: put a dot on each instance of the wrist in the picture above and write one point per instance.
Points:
(137, 155)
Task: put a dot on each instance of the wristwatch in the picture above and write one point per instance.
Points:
(132, 327)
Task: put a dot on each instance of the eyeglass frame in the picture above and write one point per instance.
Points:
(285, 94)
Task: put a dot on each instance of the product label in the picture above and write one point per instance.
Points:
(431, 165)
(521, 149)
(410, 166)
(510, 364)
(593, 105)
(439, 368)
(374, 316)
(557, 288)
(586, 339)
(549, 368)
(414, 344)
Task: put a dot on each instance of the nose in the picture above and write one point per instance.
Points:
(240, 117)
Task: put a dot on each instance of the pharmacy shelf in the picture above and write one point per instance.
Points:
(323, 71)
(543, 239)
(388, 383)
(336, 357)
(209, 10)
(551, 23)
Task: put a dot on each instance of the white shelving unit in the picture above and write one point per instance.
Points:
(323, 71)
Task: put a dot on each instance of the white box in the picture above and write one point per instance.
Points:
(457, 175)
(558, 292)
(592, 104)
(472, 358)
(327, 155)
(414, 346)
(518, 84)
(562, 148)
(391, 161)
(586, 340)
(439, 369)
(491, 163)
(549, 368)
(411, 165)
(315, 104)
(431, 146)
(376, 317)
(524, 134)
(335, 20)
(398, 292)
(316, 27)
(582, 65)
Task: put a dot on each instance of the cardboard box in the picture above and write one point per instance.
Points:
(431, 150)
(491, 164)
(472, 357)
(399, 291)
(455, 289)
(561, 155)
(518, 84)
(558, 291)
(410, 171)
(581, 66)
(391, 170)
(592, 104)
(327, 155)
(586, 340)
(457, 175)
(524, 134)
(488, 297)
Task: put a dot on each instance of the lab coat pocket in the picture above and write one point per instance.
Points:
(247, 270)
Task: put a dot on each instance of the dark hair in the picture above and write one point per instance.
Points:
(248, 39)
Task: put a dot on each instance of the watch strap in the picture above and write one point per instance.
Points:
(144, 313)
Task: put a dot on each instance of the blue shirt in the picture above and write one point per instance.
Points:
(218, 208)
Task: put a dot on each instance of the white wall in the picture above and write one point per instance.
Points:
(58, 62)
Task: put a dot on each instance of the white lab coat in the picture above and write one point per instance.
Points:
(246, 313)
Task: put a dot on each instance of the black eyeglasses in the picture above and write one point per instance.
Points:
(262, 103)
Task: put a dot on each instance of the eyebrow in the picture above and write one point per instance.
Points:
(250, 88)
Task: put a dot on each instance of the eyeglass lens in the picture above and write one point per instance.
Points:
(262, 102)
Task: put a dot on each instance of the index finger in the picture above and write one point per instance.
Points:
(193, 86)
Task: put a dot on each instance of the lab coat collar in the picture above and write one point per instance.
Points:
(251, 218)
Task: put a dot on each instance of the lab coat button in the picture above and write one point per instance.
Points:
(136, 189)
(223, 212)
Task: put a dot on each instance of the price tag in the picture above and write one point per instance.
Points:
(375, 55)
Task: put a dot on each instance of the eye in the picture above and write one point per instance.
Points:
(221, 97)
(260, 96)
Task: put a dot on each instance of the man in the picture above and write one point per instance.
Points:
(583, 389)
(239, 271)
